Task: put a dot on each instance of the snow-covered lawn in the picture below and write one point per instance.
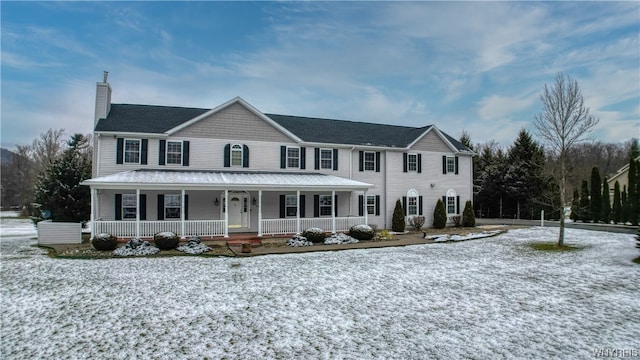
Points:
(487, 298)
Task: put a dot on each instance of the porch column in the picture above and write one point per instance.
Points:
(226, 213)
(92, 215)
(298, 212)
(138, 213)
(259, 212)
(182, 203)
(333, 211)
(366, 209)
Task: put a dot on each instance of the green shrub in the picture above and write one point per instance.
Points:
(315, 235)
(468, 215)
(104, 242)
(384, 235)
(166, 240)
(439, 216)
(398, 222)
(361, 232)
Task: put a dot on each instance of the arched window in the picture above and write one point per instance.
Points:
(412, 202)
(236, 155)
(451, 202)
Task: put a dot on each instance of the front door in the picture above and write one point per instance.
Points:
(235, 211)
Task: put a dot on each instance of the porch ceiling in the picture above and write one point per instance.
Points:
(221, 180)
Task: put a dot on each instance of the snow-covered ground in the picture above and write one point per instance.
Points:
(487, 298)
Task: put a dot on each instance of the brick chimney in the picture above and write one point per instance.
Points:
(103, 99)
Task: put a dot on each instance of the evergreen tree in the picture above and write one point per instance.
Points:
(633, 197)
(58, 189)
(584, 202)
(596, 197)
(439, 215)
(490, 189)
(398, 222)
(624, 217)
(575, 206)
(605, 206)
(525, 162)
(617, 205)
(468, 215)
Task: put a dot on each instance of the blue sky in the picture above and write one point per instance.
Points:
(477, 66)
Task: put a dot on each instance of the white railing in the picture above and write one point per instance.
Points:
(290, 226)
(149, 228)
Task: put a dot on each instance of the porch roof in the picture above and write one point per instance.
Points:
(221, 180)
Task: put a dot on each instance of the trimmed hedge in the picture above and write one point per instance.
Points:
(166, 240)
(361, 232)
(315, 235)
(104, 242)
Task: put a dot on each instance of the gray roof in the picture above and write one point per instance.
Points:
(154, 119)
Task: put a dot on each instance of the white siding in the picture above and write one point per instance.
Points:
(54, 233)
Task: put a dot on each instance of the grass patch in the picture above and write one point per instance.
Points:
(637, 260)
(554, 247)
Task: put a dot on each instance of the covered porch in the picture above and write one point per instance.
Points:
(217, 203)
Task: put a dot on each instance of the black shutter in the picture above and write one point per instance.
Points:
(143, 206)
(119, 150)
(316, 206)
(377, 204)
(456, 165)
(335, 159)
(335, 205)
(317, 158)
(419, 163)
(302, 206)
(457, 204)
(404, 205)
(360, 205)
(185, 153)
(419, 205)
(303, 158)
(186, 207)
(404, 162)
(161, 152)
(283, 157)
(245, 156)
(444, 164)
(144, 151)
(377, 161)
(160, 207)
(118, 207)
(283, 212)
(361, 161)
(227, 155)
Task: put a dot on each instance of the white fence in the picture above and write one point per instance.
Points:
(290, 226)
(51, 233)
(149, 228)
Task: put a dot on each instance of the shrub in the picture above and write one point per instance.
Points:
(361, 232)
(398, 222)
(315, 235)
(166, 240)
(417, 222)
(384, 235)
(104, 242)
(298, 240)
(340, 238)
(457, 220)
(468, 215)
(439, 216)
(193, 246)
(136, 247)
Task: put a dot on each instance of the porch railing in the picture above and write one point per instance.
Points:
(290, 226)
(149, 228)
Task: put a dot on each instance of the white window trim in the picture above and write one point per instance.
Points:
(166, 197)
(293, 205)
(372, 205)
(451, 195)
(321, 205)
(413, 206)
(236, 148)
(124, 151)
(415, 157)
(166, 155)
(365, 161)
(291, 157)
(453, 161)
(134, 198)
(330, 151)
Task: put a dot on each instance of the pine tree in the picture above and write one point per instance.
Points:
(617, 205)
(624, 217)
(575, 206)
(58, 189)
(584, 202)
(596, 197)
(522, 179)
(605, 206)
(468, 215)
(633, 196)
(398, 222)
(439, 215)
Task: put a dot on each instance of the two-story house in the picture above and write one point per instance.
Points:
(211, 172)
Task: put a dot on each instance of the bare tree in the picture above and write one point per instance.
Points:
(563, 122)
(47, 148)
